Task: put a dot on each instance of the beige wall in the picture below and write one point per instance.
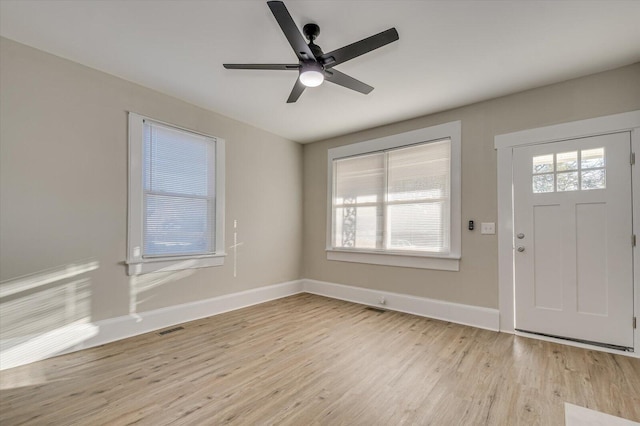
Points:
(63, 185)
(63, 193)
(477, 281)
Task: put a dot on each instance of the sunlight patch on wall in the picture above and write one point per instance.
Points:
(45, 313)
(140, 285)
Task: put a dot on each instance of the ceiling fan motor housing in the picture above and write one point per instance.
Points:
(311, 31)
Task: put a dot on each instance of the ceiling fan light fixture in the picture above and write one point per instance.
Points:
(311, 78)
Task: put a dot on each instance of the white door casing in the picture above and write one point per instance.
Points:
(573, 225)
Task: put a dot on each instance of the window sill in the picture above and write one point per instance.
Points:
(162, 264)
(396, 259)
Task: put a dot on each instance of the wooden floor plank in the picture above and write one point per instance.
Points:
(306, 360)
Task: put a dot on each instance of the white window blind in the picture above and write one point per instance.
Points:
(394, 200)
(179, 192)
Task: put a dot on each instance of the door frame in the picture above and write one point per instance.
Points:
(504, 144)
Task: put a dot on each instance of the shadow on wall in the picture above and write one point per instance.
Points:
(45, 313)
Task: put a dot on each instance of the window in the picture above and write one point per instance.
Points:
(176, 198)
(396, 200)
(569, 171)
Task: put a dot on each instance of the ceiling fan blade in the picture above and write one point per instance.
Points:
(341, 79)
(297, 90)
(358, 48)
(291, 31)
(286, 67)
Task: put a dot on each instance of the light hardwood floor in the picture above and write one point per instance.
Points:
(308, 360)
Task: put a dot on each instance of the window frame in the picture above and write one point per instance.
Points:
(136, 263)
(413, 259)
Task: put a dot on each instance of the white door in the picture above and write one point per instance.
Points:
(572, 222)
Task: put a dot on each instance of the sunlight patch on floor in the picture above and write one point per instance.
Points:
(575, 415)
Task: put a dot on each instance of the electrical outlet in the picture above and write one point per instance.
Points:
(488, 228)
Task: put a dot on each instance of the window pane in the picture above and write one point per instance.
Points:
(567, 161)
(177, 225)
(419, 172)
(592, 158)
(543, 164)
(402, 179)
(423, 226)
(359, 179)
(593, 179)
(175, 161)
(179, 185)
(368, 232)
(543, 183)
(568, 181)
(358, 227)
(337, 228)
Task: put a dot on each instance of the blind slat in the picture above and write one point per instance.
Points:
(179, 192)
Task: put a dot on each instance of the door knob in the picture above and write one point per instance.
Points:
(520, 236)
(520, 249)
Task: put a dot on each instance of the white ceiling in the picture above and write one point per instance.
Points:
(450, 53)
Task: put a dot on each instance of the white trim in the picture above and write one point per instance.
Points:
(396, 259)
(506, 294)
(220, 196)
(474, 316)
(624, 122)
(88, 335)
(136, 264)
(135, 203)
(635, 185)
(427, 134)
(165, 264)
(615, 123)
(113, 329)
(452, 131)
(135, 324)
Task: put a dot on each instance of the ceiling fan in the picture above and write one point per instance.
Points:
(313, 65)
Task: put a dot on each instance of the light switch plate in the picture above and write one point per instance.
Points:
(488, 228)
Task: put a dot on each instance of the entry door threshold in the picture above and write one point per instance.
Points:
(586, 342)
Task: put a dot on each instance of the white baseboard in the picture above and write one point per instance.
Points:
(132, 325)
(474, 316)
(91, 334)
(112, 329)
